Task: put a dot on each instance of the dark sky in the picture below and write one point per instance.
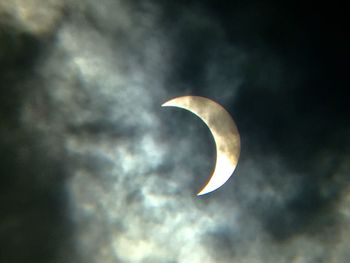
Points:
(293, 101)
(79, 117)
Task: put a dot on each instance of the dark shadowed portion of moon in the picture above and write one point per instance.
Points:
(225, 134)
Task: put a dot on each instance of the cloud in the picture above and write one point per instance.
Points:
(129, 170)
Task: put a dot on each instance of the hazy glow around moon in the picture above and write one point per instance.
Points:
(224, 131)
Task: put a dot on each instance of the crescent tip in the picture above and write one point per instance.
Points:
(165, 104)
(205, 190)
(169, 103)
(200, 193)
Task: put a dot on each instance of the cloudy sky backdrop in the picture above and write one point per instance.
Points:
(94, 170)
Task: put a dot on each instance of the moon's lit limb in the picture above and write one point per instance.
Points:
(224, 131)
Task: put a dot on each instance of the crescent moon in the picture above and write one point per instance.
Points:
(224, 131)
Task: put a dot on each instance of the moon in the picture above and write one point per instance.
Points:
(224, 131)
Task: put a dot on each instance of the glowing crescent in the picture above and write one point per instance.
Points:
(224, 131)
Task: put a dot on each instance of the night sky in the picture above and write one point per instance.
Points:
(93, 169)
